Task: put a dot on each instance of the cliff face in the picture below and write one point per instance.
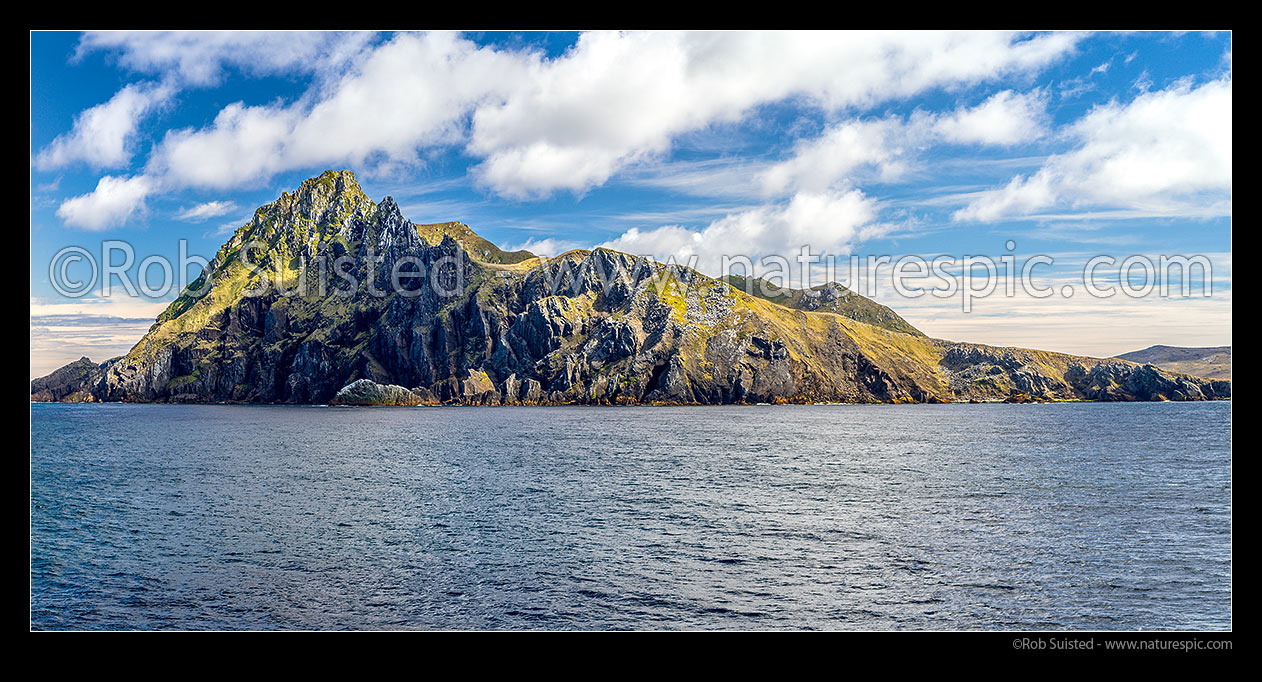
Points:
(68, 384)
(475, 324)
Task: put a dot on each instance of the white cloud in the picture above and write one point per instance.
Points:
(828, 222)
(410, 93)
(1081, 323)
(104, 135)
(1007, 118)
(878, 146)
(550, 246)
(200, 57)
(114, 200)
(63, 331)
(116, 306)
(210, 209)
(885, 149)
(727, 177)
(1165, 153)
(615, 99)
(540, 125)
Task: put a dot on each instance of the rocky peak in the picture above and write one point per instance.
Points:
(390, 206)
(330, 183)
(586, 326)
(392, 229)
(328, 199)
(829, 292)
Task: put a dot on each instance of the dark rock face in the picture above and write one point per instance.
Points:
(1114, 381)
(1036, 376)
(67, 384)
(425, 396)
(379, 307)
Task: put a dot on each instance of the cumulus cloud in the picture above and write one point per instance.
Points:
(104, 135)
(829, 222)
(538, 124)
(1007, 118)
(615, 99)
(406, 95)
(114, 200)
(884, 149)
(550, 246)
(210, 209)
(878, 147)
(201, 57)
(1166, 152)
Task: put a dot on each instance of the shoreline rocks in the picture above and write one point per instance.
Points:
(367, 392)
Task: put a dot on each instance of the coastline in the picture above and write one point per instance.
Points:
(630, 405)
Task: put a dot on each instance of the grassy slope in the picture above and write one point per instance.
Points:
(812, 338)
(851, 305)
(1212, 363)
(479, 249)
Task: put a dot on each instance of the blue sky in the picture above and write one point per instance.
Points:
(1066, 144)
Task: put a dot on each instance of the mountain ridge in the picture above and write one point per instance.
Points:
(466, 322)
(1212, 362)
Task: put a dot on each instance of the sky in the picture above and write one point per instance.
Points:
(694, 146)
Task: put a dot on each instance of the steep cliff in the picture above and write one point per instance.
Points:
(324, 288)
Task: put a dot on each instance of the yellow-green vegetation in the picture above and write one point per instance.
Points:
(1213, 362)
(663, 334)
(185, 380)
(478, 382)
(825, 298)
(672, 292)
(478, 248)
(807, 334)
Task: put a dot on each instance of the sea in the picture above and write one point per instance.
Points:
(1066, 516)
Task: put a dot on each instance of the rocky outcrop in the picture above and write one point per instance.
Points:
(425, 396)
(981, 372)
(69, 384)
(466, 323)
(369, 392)
(1116, 381)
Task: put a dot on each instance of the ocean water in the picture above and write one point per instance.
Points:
(962, 517)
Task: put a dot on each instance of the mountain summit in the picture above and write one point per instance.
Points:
(325, 296)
